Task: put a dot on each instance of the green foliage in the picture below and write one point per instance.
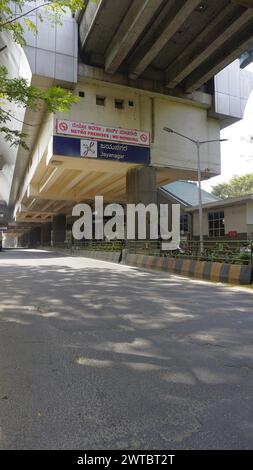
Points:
(237, 186)
(18, 90)
(244, 258)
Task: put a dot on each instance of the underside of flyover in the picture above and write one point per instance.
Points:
(58, 184)
(179, 43)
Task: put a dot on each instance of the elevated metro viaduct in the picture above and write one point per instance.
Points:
(137, 66)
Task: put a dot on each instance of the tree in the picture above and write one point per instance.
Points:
(237, 186)
(18, 90)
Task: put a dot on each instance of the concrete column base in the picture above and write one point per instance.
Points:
(46, 233)
(141, 188)
(34, 237)
(59, 229)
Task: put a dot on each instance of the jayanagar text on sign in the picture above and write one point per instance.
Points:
(94, 131)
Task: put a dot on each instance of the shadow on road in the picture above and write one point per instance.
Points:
(146, 360)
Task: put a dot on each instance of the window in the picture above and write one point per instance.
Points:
(131, 104)
(100, 100)
(184, 227)
(81, 94)
(216, 224)
(119, 104)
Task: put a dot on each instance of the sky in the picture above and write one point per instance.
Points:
(237, 153)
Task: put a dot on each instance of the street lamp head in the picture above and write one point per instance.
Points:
(167, 129)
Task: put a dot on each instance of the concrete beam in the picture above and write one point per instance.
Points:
(73, 182)
(109, 187)
(28, 220)
(24, 212)
(198, 49)
(47, 205)
(88, 21)
(100, 180)
(138, 17)
(172, 25)
(62, 207)
(56, 196)
(38, 212)
(147, 87)
(219, 61)
(89, 164)
(51, 179)
(244, 3)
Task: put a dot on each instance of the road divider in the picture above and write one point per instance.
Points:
(110, 256)
(207, 270)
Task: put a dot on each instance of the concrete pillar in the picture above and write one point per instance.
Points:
(23, 240)
(59, 228)
(141, 188)
(35, 237)
(46, 234)
(29, 238)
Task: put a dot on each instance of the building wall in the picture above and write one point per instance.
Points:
(14, 59)
(249, 217)
(151, 113)
(193, 122)
(42, 148)
(235, 219)
(232, 90)
(53, 51)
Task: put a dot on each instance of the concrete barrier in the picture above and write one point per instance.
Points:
(218, 272)
(110, 256)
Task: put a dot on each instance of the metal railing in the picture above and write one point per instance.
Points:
(90, 245)
(227, 251)
(233, 252)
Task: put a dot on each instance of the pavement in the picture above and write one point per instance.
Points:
(95, 355)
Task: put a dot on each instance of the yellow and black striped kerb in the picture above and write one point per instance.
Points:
(218, 272)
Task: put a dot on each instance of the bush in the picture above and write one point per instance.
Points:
(245, 258)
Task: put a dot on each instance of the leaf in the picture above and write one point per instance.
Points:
(18, 90)
(31, 25)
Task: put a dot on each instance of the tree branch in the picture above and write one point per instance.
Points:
(11, 20)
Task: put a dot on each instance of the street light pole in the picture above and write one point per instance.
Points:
(197, 143)
(201, 231)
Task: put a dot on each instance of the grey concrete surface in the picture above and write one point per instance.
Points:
(100, 356)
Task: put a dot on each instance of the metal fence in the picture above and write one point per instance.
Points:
(227, 251)
(90, 245)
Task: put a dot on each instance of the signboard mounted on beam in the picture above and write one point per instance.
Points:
(86, 148)
(97, 132)
(84, 140)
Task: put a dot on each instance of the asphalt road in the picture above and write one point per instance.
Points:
(99, 356)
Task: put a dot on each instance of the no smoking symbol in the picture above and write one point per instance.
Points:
(144, 138)
(63, 126)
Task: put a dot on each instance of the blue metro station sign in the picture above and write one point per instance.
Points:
(102, 150)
